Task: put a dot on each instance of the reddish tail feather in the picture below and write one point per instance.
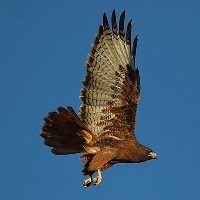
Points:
(65, 132)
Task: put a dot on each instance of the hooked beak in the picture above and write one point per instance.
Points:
(153, 155)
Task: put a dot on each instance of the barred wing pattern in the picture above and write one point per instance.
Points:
(112, 84)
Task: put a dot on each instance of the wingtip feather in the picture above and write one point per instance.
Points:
(135, 41)
(121, 25)
(114, 23)
(105, 20)
(128, 33)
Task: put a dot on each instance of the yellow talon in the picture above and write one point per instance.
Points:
(87, 182)
(97, 180)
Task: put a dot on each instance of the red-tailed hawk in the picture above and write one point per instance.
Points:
(104, 131)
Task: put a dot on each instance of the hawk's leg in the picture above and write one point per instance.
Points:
(97, 164)
(94, 181)
(97, 180)
(87, 182)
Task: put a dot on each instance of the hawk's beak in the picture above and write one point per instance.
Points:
(153, 155)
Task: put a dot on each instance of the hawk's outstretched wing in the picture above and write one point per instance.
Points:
(112, 84)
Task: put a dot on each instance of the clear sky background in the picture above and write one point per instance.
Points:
(43, 49)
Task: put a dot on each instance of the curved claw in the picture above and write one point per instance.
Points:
(87, 182)
(94, 181)
(97, 180)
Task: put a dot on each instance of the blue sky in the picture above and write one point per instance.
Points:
(43, 49)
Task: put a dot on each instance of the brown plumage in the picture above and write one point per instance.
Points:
(104, 131)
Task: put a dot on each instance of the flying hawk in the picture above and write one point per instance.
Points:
(104, 131)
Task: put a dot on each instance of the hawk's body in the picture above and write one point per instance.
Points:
(104, 132)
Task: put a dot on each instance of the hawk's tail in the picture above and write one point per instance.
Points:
(65, 132)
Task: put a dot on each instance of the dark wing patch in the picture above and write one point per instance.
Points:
(112, 84)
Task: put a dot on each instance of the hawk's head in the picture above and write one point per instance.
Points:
(151, 154)
(145, 153)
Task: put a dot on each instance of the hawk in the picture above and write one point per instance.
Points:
(104, 130)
